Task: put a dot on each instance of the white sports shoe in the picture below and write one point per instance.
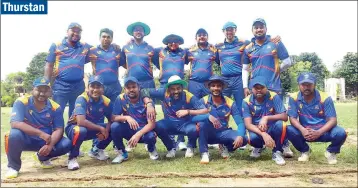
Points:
(120, 157)
(331, 157)
(287, 151)
(145, 147)
(11, 173)
(224, 152)
(256, 152)
(73, 164)
(305, 156)
(131, 149)
(171, 153)
(204, 158)
(80, 154)
(277, 157)
(102, 155)
(214, 146)
(189, 152)
(154, 154)
(182, 146)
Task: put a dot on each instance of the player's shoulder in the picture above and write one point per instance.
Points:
(54, 105)
(83, 96)
(323, 95)
(219, 44)
(294, 95)
(247, 99)
(193, 48)
(229, 101)
(24, 99)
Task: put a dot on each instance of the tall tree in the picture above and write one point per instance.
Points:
(348, 69)
(35, 69)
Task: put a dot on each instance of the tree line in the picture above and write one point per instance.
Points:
(21, 82)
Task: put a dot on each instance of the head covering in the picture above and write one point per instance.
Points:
(74, 24)
(106, 30)
(214, 78)
(260, 20)
(201, 30)
(306, 77)
(131, 27)
(175, 79)
(258, 80)
(42, 81)
(95, 79)
(173, 38)
(130, 79)
(229, 24)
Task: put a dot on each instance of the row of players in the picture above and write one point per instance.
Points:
(37, 122)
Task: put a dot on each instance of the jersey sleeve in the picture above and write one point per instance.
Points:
(155, 58)
(80, 106)
(246, 57)
(51, 57)
(329, 110)
(245, 110)
(278, 105)
(282, 51)
(196, 103)
(123, 59)
(58, 121)
(108, 111)
(292, 108)
(18, 112)
(117, 106)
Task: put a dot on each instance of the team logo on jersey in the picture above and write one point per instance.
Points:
(301, 106)
(100, 109)
(131, 46)
(13, 114)
(316, 107)
(127, 105)
(268, 47)
(78, 105)
(223, 47)
(48, 115)
(66, 48)
(99, 52)
(90, 108)
(30, 112)
(113, 52)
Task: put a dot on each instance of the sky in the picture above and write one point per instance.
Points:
(327, 28)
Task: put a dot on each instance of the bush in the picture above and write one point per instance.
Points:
(8, 100)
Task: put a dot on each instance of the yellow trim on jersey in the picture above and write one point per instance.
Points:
(54, 105)
(188, 96)
(106, 100)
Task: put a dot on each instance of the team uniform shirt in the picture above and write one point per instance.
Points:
(105, 63)
(201, 62)
(46, 120)
(170, 106)
(138, 60)
(271, 105)
(223, 111)
(68, 60)
(170, 63)
(265, 61)
(95, 111)
(137, 111)
(229, 56)
(312, 114)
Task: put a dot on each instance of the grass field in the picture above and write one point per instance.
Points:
(238, 170)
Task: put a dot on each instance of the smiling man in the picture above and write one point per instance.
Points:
(313, 118)
(36, 125)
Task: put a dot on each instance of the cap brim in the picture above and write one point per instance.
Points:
(258, 83)
(181, 82)
(306, 81)
(131, 27)
(258, 22)
(207, 83)
(177, 38)
(130, 81)
(38, 85)
(100, 83)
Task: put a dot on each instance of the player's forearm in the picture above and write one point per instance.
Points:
(329, 125)
(56, 136)
(245, 75)
(277, 117)
(198, 112)
(251, 127)
(119, 118)
(286, 63)
(48, 70)
(240, 126)
(88, 124)
(296, 123)
(150, 126)
(26, 128)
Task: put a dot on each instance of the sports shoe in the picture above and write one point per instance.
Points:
(277, 157)
(122, 156)
(102, 155)
(287, 151)
(214, 146)
(171, 153)
(305, 156)
(93, 152)
(331, 157)
(43, 164)
(11, 173)
(131, 149)
(256, 152)
(154, 154)
(224, 151)
(182, 146)
(80, 154)
(146, 147)
(242, 147)
(189, 152)
(204, 158)
(72, 164)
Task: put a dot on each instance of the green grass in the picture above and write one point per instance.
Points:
(139, 162)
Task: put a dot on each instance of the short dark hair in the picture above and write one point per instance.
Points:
(106, 30)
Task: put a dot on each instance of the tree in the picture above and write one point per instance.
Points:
(11, 88)
(348, 69)
(35, 69)
(317, 67)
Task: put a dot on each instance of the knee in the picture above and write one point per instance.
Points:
(192, 131)
(115, 127)
(159, 125)
(292, 131)
(340, 133)
(150, 136)
(66, 144)
(16, 135)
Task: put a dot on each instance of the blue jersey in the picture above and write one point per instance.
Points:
(312, 114)
(68, 60)
(138, 60)
(137, 111)
(46, 120)
(265, 61)
(95, 111)
(170, 63)
(229, 55)
(170, 106)
(270, 106)
(201, 62)
(105, 63)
